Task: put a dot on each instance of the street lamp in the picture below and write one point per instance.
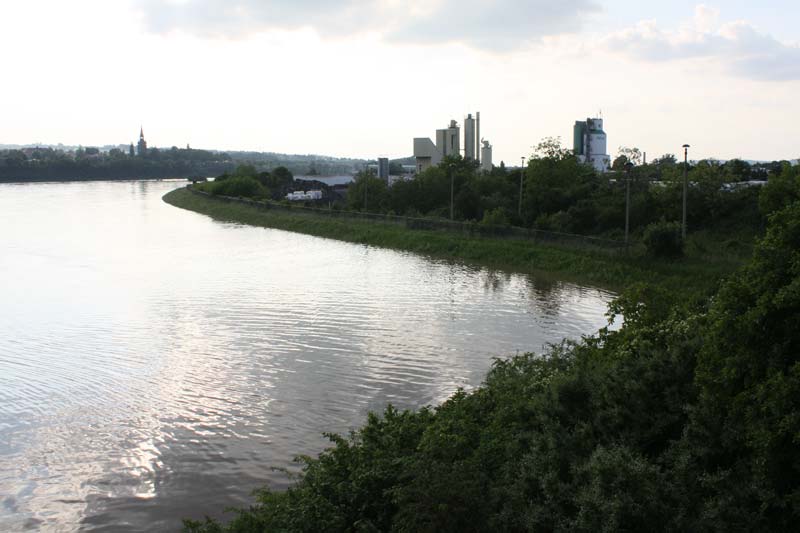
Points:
(685, 182)
(628, 167)
(452, 193)
(521, 174)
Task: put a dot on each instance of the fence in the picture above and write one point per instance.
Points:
(472, 229)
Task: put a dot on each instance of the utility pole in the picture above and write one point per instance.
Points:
(366, 186)
(628, 167)
(452, 189)
(521, 174)
(685, 185)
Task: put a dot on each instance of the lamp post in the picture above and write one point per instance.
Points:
(452, 193)
(685, 185)
(521, 174)
(628, 167)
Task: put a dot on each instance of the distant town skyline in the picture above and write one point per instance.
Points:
(363, 77)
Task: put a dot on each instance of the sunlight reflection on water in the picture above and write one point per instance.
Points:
(156, 364)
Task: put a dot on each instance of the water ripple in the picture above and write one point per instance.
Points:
(155, 364)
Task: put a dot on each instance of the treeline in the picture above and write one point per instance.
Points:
(726, 202)
(300, 165)
(90, 163)
(685, 419)
(561, 194)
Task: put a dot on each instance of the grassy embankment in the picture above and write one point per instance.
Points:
(698, 274)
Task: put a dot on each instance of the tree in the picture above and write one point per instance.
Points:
(745, 430)
(634, 155)
(248, 171)
(555, 180)
(551, 148)
(619, 163)
(367, 193)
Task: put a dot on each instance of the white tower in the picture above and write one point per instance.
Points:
(486, 156)
(469, 137)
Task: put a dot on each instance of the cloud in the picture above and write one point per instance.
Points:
(485, 24)
(737, 46)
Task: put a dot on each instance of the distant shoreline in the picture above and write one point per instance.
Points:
(78, 180)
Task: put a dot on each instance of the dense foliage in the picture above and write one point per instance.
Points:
(559, 193)
(663, 239)
(685, 419)
(90, 163)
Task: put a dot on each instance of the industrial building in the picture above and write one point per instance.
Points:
(590, 143)
(486, 156)
(383, 168)
(448, 142)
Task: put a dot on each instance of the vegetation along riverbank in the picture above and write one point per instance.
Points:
(683, 420)
(612, 269)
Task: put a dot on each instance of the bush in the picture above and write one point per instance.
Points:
(496, 217)
(663, 239)
(238, 186)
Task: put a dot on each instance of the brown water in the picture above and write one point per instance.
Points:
(156, 364)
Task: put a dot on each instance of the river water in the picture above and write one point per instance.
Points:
(156, 364)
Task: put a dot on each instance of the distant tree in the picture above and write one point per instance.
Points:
(619, 163)
(282, 175)
(634, 155)
(245, 171)
(555, 180)
(666, 160)
(551, 148)
(738, 170)
(368, 188)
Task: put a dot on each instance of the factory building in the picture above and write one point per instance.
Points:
(448, 142)
(486, 156)
(383, 168)
(426, 154)
(590, 143)
(469, 137)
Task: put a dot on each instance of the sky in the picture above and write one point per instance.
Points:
(362, 78)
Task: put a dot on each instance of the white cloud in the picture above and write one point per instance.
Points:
(485, 24)
(737, 47)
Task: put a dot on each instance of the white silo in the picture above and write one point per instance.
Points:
(591, 144)
(486, 156)
(469, 137)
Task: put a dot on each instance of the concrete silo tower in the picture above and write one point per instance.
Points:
(590, 143)
(469, 137)
(448, 141)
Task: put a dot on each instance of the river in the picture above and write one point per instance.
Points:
(156, 364)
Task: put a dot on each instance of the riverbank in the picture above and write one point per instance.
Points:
(694, 276)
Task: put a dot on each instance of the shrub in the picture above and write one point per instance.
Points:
(496, 217)
(238, 186)
(663, 239)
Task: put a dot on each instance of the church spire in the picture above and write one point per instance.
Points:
(142, 146)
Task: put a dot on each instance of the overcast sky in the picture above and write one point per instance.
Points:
(361, 78)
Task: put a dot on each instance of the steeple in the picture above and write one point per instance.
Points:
(142, 145)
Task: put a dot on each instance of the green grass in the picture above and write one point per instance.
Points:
(695, 276)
